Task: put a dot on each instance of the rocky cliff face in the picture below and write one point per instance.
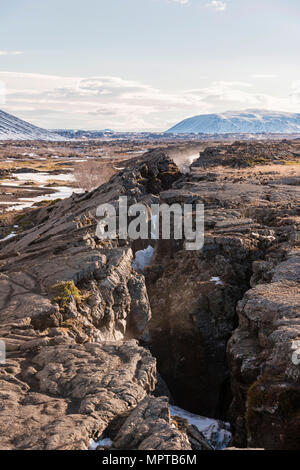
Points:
(193, 295)
(251, 240)
(265, 379)
(70, 308)
(193, 299)
(84, 330)
(247, 154)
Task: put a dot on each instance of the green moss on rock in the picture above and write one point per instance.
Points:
(269, 393)
(64, 292)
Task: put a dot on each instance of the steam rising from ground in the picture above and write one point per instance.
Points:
(184, 160)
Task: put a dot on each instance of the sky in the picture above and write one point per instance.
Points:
(146, 64)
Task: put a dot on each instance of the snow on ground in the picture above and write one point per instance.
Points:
(9, 183)
(11, 235)
(103, 442)
(61, 192)
(254, 121)
(216, 432)
(13, 128)
(142, 258)
(42, 177)
(217, 281)
(136, 152)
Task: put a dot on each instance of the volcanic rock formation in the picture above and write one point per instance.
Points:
(83, 330)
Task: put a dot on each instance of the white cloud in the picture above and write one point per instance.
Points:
(295, 95)
(113, 102)
(10, 53)
(296, 85)
(218, 5)
(264, 76)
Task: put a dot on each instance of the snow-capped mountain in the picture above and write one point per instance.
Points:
(252, 121)
(13, 128)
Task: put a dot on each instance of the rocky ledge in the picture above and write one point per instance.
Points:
(93, 346)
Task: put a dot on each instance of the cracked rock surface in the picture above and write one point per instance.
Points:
(71, 311)
(86, 334)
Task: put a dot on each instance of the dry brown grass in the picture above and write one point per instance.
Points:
(91, 174)
(48, 165)
(7, 219)
(291, 169)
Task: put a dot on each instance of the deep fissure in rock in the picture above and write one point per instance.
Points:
(196, 374)
(193, 317)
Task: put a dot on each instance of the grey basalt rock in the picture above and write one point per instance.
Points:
(71, 307)
(265, 379)
(193, 298)
(68, 393)
(251, 240)
(149, 427)
(74, 369)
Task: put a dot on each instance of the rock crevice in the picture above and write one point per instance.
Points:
(74, 314)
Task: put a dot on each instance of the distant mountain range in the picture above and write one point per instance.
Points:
(84, 134)
(13, 128)
(252, 121)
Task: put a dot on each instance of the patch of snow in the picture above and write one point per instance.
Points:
(9, 183)
(142, 258)
(5, 203)
(103, 442)
(62, 192)
(19, 206)
(136, 152)
(11, 235)
(217, 433)
(217, 281)
(42, 177)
